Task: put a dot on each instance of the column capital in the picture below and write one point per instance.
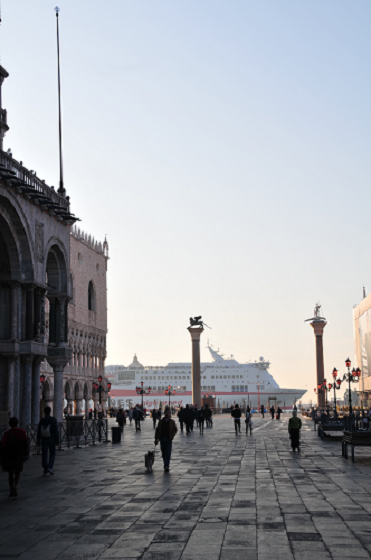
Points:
(27, 358)
(195, 332)
(318, 327)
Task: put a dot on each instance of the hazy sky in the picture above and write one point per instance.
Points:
(224, 148)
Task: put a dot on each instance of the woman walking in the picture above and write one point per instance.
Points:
(248, 421)
(14, 452)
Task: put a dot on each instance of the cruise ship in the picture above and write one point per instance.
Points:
(225, 379)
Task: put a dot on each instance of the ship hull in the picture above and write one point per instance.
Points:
(284, 398)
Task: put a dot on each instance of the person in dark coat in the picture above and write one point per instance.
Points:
(279, 412)
(120, 419)
(208, 416)
(188, 418)
(272, 411)
(181, 417)
(236, 414)
(14, 452)
(164, 435)
(294, 428)
(201, 419)
(138, 416)
(48, 436)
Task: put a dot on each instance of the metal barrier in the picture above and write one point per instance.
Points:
(71, 433)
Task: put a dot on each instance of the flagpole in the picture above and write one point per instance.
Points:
(61, 190)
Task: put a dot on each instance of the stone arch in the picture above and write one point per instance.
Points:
(56, 271)
(69, 390)
(16, 240)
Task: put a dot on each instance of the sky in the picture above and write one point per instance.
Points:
(224, 149)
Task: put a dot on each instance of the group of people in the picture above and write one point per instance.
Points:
(15, 449)
(190, 414)
(236, 414)
(135, 414)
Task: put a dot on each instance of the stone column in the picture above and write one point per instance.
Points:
(26, 390)
(87, 409)
(78, 406)
(195, 333)
(62, 321)
(318, 327)
(35, 403)
(14, 316)
(70, 406)
(11, 373)
(30, 312)
(58, 359)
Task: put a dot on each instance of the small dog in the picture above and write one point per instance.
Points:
(149, 459)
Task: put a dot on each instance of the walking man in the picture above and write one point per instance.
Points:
(165, 433)
(14, 452)
(236, 414)
(272, 411)
(201, 419)
(48, 436)
(188, 418)
(262, 410)
(181, 418)
(154, 418)
(294, 430)
(120, 419)
(208, 414)
(137, 415)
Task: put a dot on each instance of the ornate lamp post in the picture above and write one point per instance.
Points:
(352, 377)
(170, 391)
(99, 388)
(142, 391)
(322, 389)
(336, 385)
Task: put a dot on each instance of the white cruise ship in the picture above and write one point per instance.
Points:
(227, 380)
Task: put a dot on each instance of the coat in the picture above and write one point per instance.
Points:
(172, 430)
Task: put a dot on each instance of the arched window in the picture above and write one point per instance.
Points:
(91, 297)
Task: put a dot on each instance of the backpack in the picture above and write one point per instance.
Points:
(45, 431)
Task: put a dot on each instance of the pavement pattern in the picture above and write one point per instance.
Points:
(225, 498)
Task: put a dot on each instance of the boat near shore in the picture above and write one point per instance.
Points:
(224, 378)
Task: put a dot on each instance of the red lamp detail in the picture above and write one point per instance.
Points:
(334, 372)
(109, 385)
(95, 386)
(354, 372)
(348, 362)
(42, 378)
(100, 379)
(315, 390)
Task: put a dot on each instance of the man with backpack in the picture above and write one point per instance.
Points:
(48, 436)
(236, 414)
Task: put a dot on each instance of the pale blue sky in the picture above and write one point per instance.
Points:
(224, 147)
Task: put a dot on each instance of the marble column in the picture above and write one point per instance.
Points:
(318, 327)
(70, 406)
(30, 312)
(35, 404)
(78, 406)
(58, 369)
(26, 390)
(14, 316)
(195, 333)
(87, 409)
(11, 385)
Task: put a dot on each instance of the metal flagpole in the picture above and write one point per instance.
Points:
(61, 187)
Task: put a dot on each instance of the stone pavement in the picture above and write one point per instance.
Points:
(225, 498)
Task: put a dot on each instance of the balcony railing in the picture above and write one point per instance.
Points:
(30, 178)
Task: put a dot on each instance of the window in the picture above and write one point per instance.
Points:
(91, 297)
(125, 376)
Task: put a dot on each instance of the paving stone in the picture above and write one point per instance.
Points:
(224, 498)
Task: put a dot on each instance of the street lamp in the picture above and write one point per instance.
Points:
(142, 391)
(170, 391)
(322, 388)
(352, 377)
(98, 387)
(336, 385)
